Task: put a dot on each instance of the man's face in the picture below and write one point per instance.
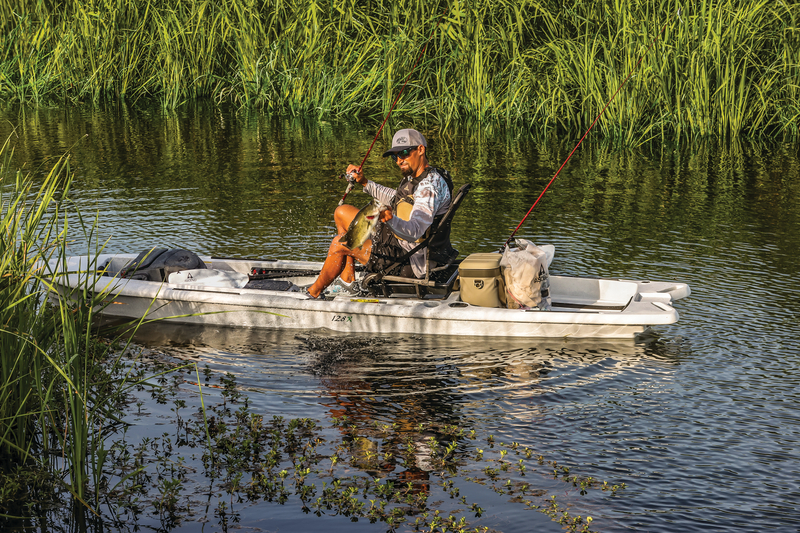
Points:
(408, 161)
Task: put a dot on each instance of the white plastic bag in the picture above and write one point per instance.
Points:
(525, 270)
(208, 277)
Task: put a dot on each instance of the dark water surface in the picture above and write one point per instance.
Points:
(702, 422)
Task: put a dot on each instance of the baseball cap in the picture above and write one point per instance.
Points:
(406, 138)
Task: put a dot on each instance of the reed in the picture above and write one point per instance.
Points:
(723, 68)
(28, 333)
(59, 392)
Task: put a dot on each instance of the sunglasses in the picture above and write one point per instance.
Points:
(402, 154)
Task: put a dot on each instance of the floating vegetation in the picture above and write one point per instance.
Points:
(233, 458)
(720, 68)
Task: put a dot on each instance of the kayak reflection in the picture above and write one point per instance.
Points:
(397, 402)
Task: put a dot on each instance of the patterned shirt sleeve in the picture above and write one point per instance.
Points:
(380, 192)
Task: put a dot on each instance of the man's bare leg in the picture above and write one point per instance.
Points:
(338, 255)
(342, 216)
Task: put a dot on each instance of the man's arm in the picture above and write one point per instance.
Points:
(380, 192)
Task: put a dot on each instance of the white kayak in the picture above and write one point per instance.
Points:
(581, 307)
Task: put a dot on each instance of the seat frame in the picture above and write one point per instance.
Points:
(388, 284)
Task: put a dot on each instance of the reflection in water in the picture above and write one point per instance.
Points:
(625, 411)
(245, 184)
(402, 394)
(408, 366)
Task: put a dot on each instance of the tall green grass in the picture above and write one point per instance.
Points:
(58, 395)
(28, 334)
(723, 68)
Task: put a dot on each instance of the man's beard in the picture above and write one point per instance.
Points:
(407, 173)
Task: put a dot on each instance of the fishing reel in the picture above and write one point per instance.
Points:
(351, 182)
(372, 283)
(349, 176)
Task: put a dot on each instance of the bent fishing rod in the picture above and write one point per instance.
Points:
(351, 182)
(678, 14)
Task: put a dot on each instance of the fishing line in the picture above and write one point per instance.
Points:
(590, 127)
(351, 181)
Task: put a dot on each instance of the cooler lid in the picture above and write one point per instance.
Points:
(480, 261)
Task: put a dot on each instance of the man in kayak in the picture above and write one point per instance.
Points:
(422, 197)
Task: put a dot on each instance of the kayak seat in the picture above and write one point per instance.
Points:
(439, 278)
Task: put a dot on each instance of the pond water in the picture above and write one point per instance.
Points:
(701, 421)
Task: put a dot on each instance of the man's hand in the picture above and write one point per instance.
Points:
(357, 176)
(385, 215)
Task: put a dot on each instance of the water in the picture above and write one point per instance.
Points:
(701, 422)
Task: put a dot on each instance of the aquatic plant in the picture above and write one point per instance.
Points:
(721, 67)
(31, 334)
(409, 478)
(60, 389)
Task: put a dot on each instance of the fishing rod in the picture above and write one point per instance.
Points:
(678, 14)
(352, 182)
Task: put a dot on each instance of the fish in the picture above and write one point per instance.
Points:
(362, 226)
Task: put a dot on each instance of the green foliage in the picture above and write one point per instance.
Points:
(724, 67)
(59, 394)
(29, 331)
(407, 477)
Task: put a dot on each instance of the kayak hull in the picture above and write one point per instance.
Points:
(582, 307)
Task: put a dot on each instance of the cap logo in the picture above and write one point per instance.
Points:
(402, 141)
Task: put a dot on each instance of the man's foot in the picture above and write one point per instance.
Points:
(309, 296)
(342, 287)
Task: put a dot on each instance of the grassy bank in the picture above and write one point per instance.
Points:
(725, 67)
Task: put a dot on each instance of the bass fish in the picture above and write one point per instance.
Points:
(362, 226)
